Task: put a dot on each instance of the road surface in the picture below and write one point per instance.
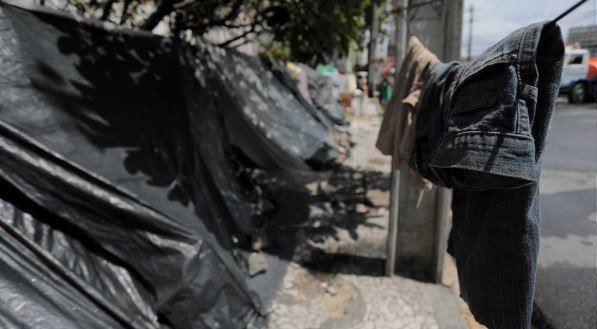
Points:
(566, 291)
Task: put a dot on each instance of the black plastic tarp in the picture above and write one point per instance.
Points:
(120, 207)
(50, 279)
(321, 90)
(267, 121)
(280, 72)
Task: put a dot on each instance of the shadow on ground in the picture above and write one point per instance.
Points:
(317, 211)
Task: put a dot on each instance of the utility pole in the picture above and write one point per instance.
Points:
(401, 31)
(373, 32)
(418, 219)
(470, 33)
(397, 33)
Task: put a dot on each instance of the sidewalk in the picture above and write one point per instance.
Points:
(335, 278)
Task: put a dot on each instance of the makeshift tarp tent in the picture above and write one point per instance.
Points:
(321, 90)
(266, 120)
(118, 206)
(281, 73)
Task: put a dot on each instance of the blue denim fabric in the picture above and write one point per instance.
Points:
(481, 130)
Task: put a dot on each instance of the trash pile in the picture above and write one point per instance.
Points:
(126, 193)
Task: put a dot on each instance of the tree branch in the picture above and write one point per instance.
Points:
(234, 11)
(125, 11)
(259, 18)
(236, 26)
(164, 8)
(107, 9)
(232, 14)
(247, 40)
(238, 37)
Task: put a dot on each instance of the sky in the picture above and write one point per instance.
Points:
(495, 19)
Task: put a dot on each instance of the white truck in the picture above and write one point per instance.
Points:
(579, 78)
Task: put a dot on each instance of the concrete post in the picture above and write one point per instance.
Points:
(418, 229)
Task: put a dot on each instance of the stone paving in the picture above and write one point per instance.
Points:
(335, 281)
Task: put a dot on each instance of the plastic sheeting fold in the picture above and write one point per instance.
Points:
(140, 206)
(321, 89)
(272, 125)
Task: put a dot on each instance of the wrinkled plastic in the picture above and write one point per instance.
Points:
(46, 272)
(321, 90)
(282, 75)
(120, 207)
(272, 125)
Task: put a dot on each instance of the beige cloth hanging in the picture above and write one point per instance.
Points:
(397, 133)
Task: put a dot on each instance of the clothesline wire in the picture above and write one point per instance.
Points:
(568, 11)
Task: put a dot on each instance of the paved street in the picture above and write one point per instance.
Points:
(566, 291)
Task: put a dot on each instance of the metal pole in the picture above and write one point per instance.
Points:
(397, 34)
(405, 4)
(401, 44)
(401, 32)
(443, 205)
(393, 222)
(372, 45)
(470, 34)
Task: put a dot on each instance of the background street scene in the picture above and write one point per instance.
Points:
(298, 164)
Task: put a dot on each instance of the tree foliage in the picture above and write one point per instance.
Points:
(316, 30)
(304, 30)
